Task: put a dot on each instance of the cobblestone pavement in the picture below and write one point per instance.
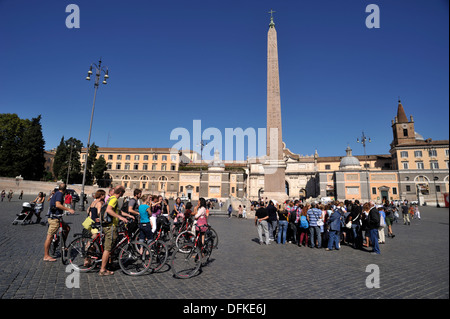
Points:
(415, 264)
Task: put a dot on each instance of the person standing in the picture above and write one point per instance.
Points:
(355, 217)
(110, 229)
(405, 213)
(282, 225)
(230, 210)
(68, 200)
(272, 221)
(373, 222)
(314, 215)
(133, 203)
(56, 208)
(389, 210)
(381, 236)
(39, 207)
(334, 222)
(261, 217)
(304, 226)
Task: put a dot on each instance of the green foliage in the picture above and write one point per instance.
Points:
(21, 147)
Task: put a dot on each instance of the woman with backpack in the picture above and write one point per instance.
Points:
(304, 226)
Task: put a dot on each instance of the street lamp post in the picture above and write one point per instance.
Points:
(98, 70)
(430, 152)
(363, 142)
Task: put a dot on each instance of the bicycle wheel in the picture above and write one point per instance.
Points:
(62, 248)
(135, 258)
(184, 238)
(211, 233)
(186, 261)
(159, 254)
(207, 250)
(83, 254)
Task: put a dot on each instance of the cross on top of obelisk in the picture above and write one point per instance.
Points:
(272, 24)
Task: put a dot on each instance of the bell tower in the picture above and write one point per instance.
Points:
(402, 129)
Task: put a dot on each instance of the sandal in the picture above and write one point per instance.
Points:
(106, 273)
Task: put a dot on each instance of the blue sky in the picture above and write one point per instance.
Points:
(172, 62)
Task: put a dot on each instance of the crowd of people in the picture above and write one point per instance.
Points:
(144, 209)
(330, 225)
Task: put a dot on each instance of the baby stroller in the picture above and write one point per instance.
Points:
(25, 215)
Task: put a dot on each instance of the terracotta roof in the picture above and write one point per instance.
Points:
(401, 115)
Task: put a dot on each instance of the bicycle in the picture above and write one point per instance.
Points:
(59, 239)
(134, 257)
(191, 256)
(187, 236)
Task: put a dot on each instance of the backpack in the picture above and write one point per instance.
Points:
(304, 222)
(104, 216)
(124, 207)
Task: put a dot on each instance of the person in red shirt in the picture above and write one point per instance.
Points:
(68, 201)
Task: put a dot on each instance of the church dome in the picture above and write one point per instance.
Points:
(349, 161)
(419, 137)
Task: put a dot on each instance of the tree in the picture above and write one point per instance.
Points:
(32, 150)
(21, 147)
(92, 158)
(99, 170)
(68, 151)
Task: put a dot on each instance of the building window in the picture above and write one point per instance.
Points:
(394, 190)
(434, 164)
(197, 189)
(232, 190)
(418, 153)
(145, 157)
(145, 166)
(408, 188)
(110, 157)
(136, 157)
(155, 157)
(181, 189)
(119, 157)
(164, 158)
(153, 167)
(118, 166)
(127, 166)
(405, 165)
(109, 166)
(420, 165)
(136, 166)
(163, 167)
(432, 153)
(438, 189)
(374, 190)
(446, 152)
(405, 132)
(172, 167)
(173, 158)
(403, 154)
(127, 157)
(327, 166)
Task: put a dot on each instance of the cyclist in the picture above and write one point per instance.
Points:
(56, 210)
(201, 218)
(110, 229)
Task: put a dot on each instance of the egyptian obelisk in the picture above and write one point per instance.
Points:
(274, 165)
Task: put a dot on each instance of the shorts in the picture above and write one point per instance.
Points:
(145, 231)
(388, 221)
(53, 226)
(110, 233)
